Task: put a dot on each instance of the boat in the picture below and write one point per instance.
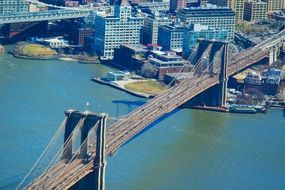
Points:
(261, 109)
(242, 109)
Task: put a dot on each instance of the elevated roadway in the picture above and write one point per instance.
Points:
(43, 16)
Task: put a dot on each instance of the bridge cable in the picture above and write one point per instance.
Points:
(168, 86)
(69, 139)
(77, 152)
(43, 153)
(114, 141)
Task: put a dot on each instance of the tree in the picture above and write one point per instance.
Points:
(148, 70)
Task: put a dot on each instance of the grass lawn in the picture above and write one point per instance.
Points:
(147, 87)
(37, 50)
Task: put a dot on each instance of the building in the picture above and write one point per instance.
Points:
(278, 15)
(78, 35)
(236, 5)
(215, 17)
(133, 57)
(177, 5)
(274, 5)
(111, 31)
(253, 78)
(52, 42)
(150, 28)
(117, 76)
(167, 62)
(203, 3)
(174, 78)
(268, 82)
(170, 37)
(69, 3)
(153, 6)
(255, 10)
(196, 31)
(33, 8)
(272, 79)
(126, 55)
(13, 6)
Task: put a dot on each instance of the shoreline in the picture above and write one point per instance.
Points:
(69, 58)
(16, 51)
(141, 95)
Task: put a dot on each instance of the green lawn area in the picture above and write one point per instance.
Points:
(37, 50)
(147, 87)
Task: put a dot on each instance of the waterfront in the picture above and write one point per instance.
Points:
(191, 149)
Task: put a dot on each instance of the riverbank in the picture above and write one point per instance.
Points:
(120, 87)
(24, 50)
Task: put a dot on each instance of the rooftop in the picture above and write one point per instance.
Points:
(179, 76)
(135, 47)
(210, 11)
(174, 27)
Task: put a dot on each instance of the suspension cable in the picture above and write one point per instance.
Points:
(57, 156)
(43, 153)
(77, 152)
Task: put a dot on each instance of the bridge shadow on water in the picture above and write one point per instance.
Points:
(131, 104)
(153, 124)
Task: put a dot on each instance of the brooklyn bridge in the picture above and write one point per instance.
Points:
(84, 167)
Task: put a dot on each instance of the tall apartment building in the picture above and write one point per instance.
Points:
(120, 28)
(214, 17)
(150, 28)
(255, 10)
(13, 6)
(203, 2)
(170, 37)
(236, 5)
(274, 5)
(154, 6)
(177, 5)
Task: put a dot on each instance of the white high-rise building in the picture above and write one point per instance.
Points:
(255, 10)
(13, 6)
(275, 5)
(236, 5)
(221, 18)
(120, 28)
(150, 28)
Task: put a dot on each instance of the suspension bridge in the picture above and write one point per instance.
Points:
(74, 169)
(58, 13)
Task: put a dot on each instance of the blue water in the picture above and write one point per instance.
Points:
(187, 150)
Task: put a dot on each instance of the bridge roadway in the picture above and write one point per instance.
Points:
(43, 16)
(64, 176)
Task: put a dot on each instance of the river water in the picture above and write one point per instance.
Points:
(188, 150)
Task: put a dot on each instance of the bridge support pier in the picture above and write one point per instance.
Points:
(100, 158)
(217, 54)
(223, 77)
(273, 55)
(73, 118)
(90, 121)
(96, 179)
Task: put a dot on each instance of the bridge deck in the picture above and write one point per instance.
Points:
(42, 16)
